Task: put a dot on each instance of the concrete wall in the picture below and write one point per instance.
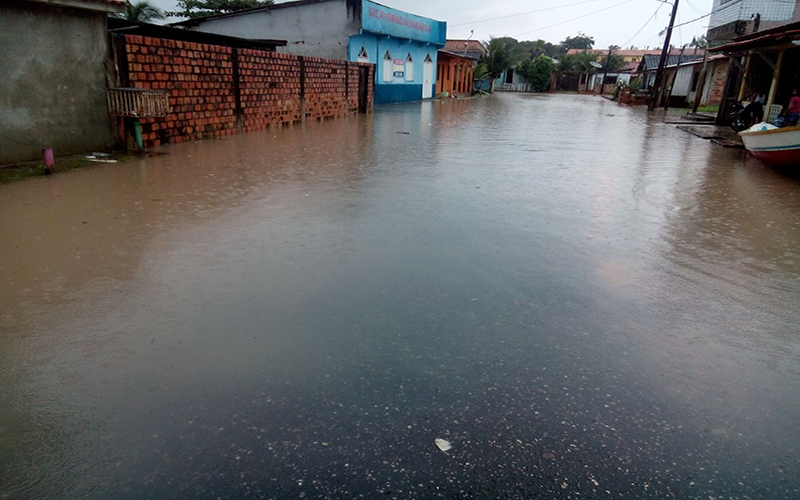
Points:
(52, 82)
(317, 29)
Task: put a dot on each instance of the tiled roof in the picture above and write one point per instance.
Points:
(467, 48)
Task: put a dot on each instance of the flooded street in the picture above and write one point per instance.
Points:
(585, 303)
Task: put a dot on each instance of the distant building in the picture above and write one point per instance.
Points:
(53, 81)
(403, 46)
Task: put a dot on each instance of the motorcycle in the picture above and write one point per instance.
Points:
(742, 118)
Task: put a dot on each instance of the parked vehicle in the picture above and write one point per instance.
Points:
(742, 118)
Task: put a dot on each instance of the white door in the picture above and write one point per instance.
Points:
(427, 77)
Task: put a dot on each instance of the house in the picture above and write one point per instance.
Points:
(53, 82)
(456, 66)
(404, 46)
(454, 73)
(590, 82)
(511, 81)
(648, 67)
(731, 19)
(764, 62)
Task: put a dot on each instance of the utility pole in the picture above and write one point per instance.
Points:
(663, 61)
(674, 78)
(605, 71)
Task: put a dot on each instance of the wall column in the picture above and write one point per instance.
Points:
(773, 90)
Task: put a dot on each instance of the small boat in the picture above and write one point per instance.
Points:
(778, 147)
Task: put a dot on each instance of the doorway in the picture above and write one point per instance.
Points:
(363, 88)
(427, 77)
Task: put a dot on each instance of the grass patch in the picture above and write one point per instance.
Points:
(23, 170)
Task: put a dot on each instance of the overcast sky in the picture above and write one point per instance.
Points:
(616, 25)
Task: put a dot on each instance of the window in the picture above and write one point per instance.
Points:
(409, 68)
(387, 67)
(362, 55)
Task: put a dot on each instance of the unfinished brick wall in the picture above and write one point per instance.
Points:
(199, 78)
(216, 90)
(719, 78)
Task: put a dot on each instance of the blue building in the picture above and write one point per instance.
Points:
(403, 46)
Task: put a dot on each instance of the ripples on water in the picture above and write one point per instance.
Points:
(569, 292)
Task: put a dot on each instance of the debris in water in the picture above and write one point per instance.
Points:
(549, 456)
(404, 133)
(324, 443)
(443, 444)
(564, 486)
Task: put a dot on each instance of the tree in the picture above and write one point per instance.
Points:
(141, 12)
(699, 42)
(567, 65)
(580, 41)
(613, 64)
(539, 47)
(502, 54)
(202, 8)
(538, 72)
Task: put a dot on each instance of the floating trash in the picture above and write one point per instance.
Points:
(443, 444)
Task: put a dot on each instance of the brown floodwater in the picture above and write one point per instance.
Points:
(584, 301)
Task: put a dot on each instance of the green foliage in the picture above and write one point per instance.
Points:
(502, 53)
(636, 84)
(201, 8)
(584, 60)
(580, 41)
(613, 64)
(567, 65)
(141, 12)
(538, 72)
(538, 47)
(699, 42)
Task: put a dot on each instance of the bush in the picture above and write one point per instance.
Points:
(538, 72)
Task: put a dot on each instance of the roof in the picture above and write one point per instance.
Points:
(456, 55)
(110, 6)
(775, 36)
(295, 3)
(650, 61)
(124, 27)
(471, 49)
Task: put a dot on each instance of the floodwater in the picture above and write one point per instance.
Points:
(586, 303)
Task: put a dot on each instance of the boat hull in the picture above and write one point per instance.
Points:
(778, 147)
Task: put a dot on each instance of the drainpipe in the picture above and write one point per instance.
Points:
(137, 133)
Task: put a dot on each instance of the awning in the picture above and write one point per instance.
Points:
(769, 38)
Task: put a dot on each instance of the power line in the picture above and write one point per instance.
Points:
(522, 13)
(643, 26)
(573, 19)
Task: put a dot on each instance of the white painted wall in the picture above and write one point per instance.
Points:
(318, 29)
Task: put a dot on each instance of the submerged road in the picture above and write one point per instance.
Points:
(586, 303)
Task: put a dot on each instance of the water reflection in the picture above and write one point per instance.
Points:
(569, 292)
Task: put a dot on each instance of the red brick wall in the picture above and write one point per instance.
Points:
(272, 88)
(718, 79)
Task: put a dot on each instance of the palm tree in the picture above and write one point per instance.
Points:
(502, 54)
(585, 63)
(141, 12)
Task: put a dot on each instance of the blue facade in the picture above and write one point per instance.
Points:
(403, 48)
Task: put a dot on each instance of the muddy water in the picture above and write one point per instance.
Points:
(584, 302)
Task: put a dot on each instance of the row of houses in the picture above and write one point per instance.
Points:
(62, 59)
